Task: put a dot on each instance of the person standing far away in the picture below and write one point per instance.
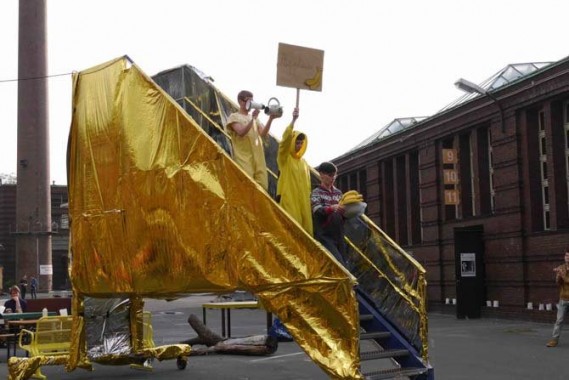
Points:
(293, 187)
(24, 286)
(247, 135)
(328, 213)
(34, 287)
(562, 280)
(15, 304)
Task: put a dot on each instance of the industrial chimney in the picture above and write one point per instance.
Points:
(33, 205)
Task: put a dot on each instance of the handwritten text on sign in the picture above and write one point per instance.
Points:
(300, 67)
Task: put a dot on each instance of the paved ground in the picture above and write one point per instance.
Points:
(487, 349)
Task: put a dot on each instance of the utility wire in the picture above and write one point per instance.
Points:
(60, 75)
(33, 78)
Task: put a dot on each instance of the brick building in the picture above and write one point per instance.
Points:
(479, 191)
(8, 237)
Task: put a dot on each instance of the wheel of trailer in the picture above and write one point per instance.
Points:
(181, 362)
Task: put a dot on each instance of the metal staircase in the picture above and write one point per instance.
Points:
(384, 354)
(392, 285)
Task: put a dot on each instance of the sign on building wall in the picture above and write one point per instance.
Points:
(451, 197)
(449, 156)
(46, 270)
(450, 177)
(468, 265)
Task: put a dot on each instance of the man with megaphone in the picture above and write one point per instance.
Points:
(247, 134)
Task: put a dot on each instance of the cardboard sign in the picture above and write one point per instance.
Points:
(300, 67)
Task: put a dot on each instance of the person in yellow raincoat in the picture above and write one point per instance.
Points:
(293, 192)
(247, 134)
(293, 188)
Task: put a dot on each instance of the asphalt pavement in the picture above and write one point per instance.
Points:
(490, 349)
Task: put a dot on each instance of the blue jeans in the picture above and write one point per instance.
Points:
(561, 309)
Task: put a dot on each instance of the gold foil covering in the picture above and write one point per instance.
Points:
(24, 368)
(152, 197)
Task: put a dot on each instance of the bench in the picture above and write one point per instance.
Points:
(9, 333)
(227, 307)
(52, 337)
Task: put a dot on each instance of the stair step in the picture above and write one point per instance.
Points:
(394, 373)
(371, 355)
(375, 335)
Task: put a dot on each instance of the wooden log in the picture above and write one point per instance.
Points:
(256, 345)
(205, 335)
(250, 345)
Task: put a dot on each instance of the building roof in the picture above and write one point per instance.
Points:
(505, 76)
(395, 126)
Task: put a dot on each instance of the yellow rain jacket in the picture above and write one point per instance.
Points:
(294, 181)
(248, 150)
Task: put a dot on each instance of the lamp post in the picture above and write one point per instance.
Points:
(469, 87)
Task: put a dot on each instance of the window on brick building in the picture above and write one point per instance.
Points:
(388, 217)
(380, 195)
(542, 137)
(415, 198)
(485, 173)
(491, 172)
(401, 205)
(467, 192)
(362, 183)
(566, 129)
(398, 197)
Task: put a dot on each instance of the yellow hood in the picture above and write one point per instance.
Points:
(298, 155)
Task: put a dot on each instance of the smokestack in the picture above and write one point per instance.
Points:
(33, 205)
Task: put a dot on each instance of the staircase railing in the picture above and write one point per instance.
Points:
(393, 280)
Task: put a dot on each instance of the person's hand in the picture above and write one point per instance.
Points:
(15, 298)
(295, 114)
(255, 113)
(338, 207)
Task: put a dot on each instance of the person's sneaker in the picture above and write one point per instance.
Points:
(552, 343)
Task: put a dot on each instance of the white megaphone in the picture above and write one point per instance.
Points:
(254, 105)
(274, 108)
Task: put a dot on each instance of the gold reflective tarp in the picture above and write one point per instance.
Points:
(158, 209)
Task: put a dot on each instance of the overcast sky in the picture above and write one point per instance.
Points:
(383, 59)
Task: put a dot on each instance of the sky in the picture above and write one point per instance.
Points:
(382, 59)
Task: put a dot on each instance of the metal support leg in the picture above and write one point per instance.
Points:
(269, 320)
(229, 323)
